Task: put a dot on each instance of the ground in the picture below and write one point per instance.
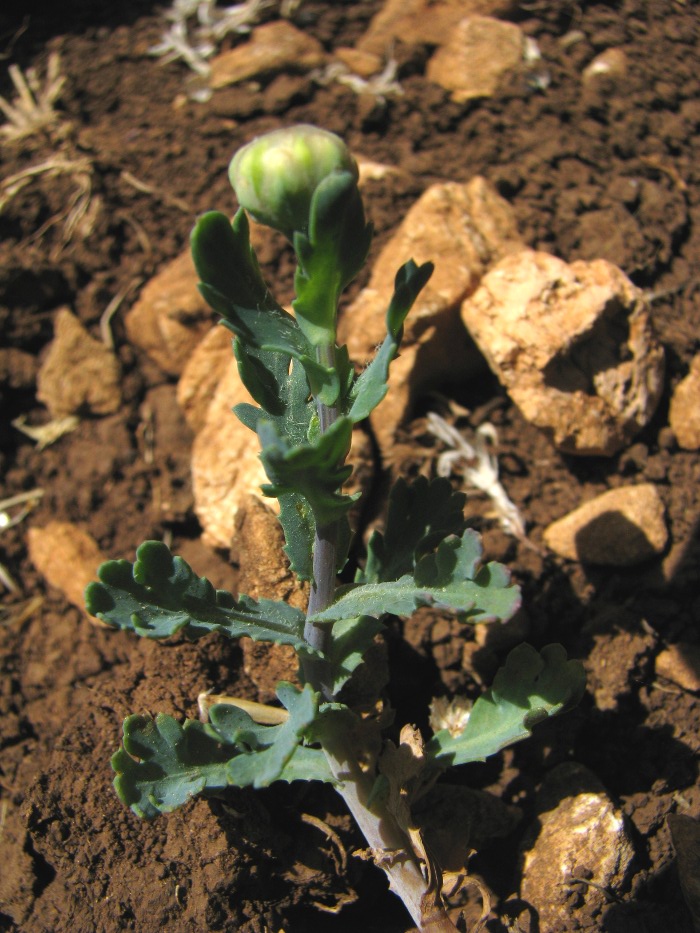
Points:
(73, 857)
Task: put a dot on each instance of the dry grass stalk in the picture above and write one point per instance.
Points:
(33, 108)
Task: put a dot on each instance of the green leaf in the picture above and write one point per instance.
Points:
(163, 764)
(529, 688)
(451, 579)
(350, 640)
(420, 515)
(330, 256)
(371, 385)
(160, 595)
(312, 470)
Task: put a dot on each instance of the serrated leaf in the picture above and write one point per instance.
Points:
(419, 516)
(530, 687)
(451, 579)
(314, 470)
(163, 764)
(371, 385)
(350, 640)
(160, 595)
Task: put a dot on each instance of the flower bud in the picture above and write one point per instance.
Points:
(275, 175)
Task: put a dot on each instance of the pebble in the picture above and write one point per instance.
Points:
(684, 413)
(620, 528)
(680, 663)
(573, 346)
(272, 48)
(80, 375)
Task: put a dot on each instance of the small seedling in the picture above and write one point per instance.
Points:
(304, 182)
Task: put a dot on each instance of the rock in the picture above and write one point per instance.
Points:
(684, 414)
(272, 47)
(606, 68)
(573, 345)
(264, 573)
(680, 663)
(577, 835)
(479, 54)
(463, 229)
(80, 375)
(67, 557)
(364, 64)
(170, 317)
(620, 528)
(685, 833)
(225, 462)
(202, 374)
(423, 22)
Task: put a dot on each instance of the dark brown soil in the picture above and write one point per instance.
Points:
(73, 858)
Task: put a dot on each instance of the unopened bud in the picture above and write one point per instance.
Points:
(275, 175)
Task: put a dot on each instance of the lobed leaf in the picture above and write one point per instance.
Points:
(162, 764)
(452, 579)
(371, 385)
(160, 595)
(529, 688)
(420, 515)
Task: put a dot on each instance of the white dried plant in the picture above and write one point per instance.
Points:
(32, 109)
(381, 85)
(198, 26)
(475, 459)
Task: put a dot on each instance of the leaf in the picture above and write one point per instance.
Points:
(420, 515)
(160, 595)
(350, 640)
(451, 579)
(311, 470)
(371, 385)
(530, 687)
(163, 764)
(330, 256)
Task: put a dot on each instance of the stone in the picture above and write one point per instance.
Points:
(577, 835)
(680, 663)
(170, 316)
(423, 22)
(620, 528)
(573, 345)
(67, 557)
(684, 413)
(463, 229)
(272, 48)
(203, 372)
(364, 64)
(80, 375)
(606, 68)
(480, 53)
(264, 573)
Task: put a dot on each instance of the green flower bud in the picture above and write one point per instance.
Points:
(275, 175)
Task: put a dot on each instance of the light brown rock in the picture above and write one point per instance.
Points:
(479, 54)
(170, 317)
(272, 47)
(423, 22)
(462, 229)
(606, 68)
(620, 528)
(80, 375)
(67, 557)
(681, 664)
(578, 834)
(684, 414)
(364, 64)
(264, 573)
(573, 345)
(204, 370)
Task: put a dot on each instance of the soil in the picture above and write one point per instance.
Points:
(589, 174)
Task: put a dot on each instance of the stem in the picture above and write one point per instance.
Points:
(389, 845)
